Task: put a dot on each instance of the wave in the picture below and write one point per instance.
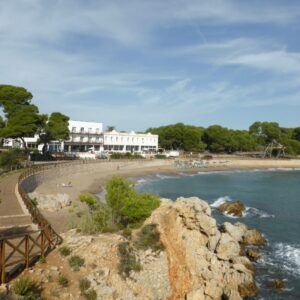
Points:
(286, 257)
(249, 212)
(164, 176)
(220, 201)
(254, 212)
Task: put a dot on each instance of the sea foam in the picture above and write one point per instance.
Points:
(250, 211)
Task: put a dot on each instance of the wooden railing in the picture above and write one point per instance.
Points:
(19, 251)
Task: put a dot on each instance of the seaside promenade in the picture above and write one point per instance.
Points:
(13, 213)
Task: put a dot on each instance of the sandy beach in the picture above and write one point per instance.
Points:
(92, 178)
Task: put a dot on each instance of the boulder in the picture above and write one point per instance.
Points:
(277, 284)
(235, 230)
(227, 247)
(213, 241)
(254, 237)
(232, 208)
(253, 254)
(247, 289)
(197, 294)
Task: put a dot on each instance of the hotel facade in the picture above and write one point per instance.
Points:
(90, 136)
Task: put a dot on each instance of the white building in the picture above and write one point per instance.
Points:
(130, 141)
(84, 136)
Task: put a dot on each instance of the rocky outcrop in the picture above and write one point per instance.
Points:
(200, 260)
(232, 208)
(51, 202)
(204, 262)
(254, 237)
(253, 254)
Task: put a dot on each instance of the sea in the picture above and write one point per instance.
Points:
(272, 198)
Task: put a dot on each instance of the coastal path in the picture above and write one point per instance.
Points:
(13, 213)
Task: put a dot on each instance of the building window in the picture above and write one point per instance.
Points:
(82, 129)
(73, 129)
(81, 139)
(97, 138)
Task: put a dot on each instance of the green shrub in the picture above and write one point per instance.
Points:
(127, 155)
(127, 232)
(127, 205)
(95, 221)
(42, 260)
(12, 158)
(160, 156)
(76, 262)
(79, 214)
(90, 200)
(84, 284)
(63, 281)
(55, 293)
(34, 202)
(26, 289)
(149, 238)
(128, 261)
(138, 207)
(91, 295)
(65, 251)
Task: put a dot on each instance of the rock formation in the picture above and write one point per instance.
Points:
(200, 260)
(204, 262)
(51, 203)
(232, 208)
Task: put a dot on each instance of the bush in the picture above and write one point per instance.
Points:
(138, 207)
(160, 156)
(84, 284)
(127, 205)
(65, 251)
(34, 202)
(95, 221)
(90, 200)
(76, 262)
(55, 293)
(149, 238)
(128, 261)
(26, 288)
(12, 159)
(126, 155)
(127, 232)
(91, 295)
(42, 260)
(63, 281)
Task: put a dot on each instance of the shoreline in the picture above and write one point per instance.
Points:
(87, 181)
(134, 176)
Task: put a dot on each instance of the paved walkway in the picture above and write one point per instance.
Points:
(11, 211)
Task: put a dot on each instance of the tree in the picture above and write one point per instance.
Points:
(296, 134)
(218, 138)
(53, 128)
(111, 128)
(13, 98)
(265, 132)
(180, 136)
(117, 190)
(24, 122)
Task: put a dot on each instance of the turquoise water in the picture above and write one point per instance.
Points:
(273, 206)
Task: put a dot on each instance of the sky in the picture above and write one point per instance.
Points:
(144, 63)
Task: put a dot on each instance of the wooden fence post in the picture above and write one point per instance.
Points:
(42, 243)
(26, 251)
(2, 261)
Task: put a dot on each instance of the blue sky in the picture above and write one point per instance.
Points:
(137, 64)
